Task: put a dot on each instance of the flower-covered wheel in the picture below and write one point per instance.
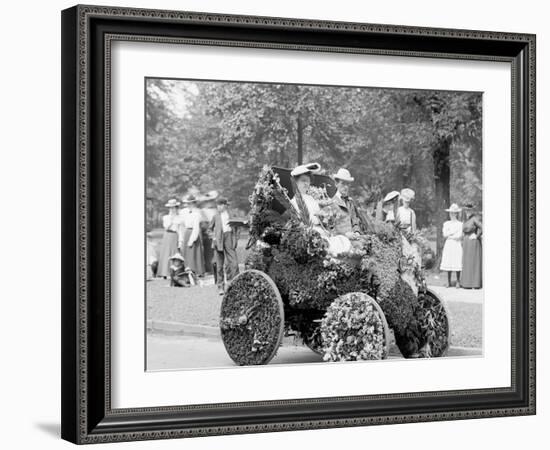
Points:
(355, 328)
(435, 328)
(252, 318)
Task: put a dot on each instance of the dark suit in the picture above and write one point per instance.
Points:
(351, 219)
(224, 244)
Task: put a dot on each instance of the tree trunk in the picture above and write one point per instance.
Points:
(442, 175)
(407, 173)
(300, 131)
(281, 158)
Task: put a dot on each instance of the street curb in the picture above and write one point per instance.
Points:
(180, 328)
(165, 327)
(473, 351)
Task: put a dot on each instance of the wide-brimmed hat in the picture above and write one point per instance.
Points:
(454, 208)
(305, 168)
(209, 196)
(177, 256)
(344, 175)
(407, 194)
(468, 206)
(390, 196)
(172, 203)
(189, 199)
(222, 201)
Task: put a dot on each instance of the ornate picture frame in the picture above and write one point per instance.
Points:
(87, 35)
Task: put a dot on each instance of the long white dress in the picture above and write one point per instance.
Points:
(312, 206)
(406, 218)
(337, 244)
(451, 259)
(190, 234)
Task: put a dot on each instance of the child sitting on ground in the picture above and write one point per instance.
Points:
(181, 276)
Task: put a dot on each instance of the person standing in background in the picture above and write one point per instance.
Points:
(451, 258)
(225, 244)
(387, 209)
(471, 250)
(406, 217)
(190, 238)
(208, 211)
(169, 244)
(406, 224)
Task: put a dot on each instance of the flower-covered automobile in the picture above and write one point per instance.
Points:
(344, 307)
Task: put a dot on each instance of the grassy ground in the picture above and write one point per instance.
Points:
(195, 305)
(436, 278)
(466, 324)
(201, 306)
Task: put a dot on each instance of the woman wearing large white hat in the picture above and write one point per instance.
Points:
(451, 258)
(302, 201)
(169, 244)
(191, 245)
(387, 208)
(309, 208)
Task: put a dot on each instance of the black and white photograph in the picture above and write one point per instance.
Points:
(296, 223)
(275, 223)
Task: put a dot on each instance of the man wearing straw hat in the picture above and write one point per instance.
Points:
(207, 204)
(350, 218)
(224, 241)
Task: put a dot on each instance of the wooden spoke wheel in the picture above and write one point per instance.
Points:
(434, 322)
(354, 328)
(252, 318)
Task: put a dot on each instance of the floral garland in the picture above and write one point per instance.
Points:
(330, 213)
(302, 243)
(259, 257)
(265, 223)
(298, 282)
